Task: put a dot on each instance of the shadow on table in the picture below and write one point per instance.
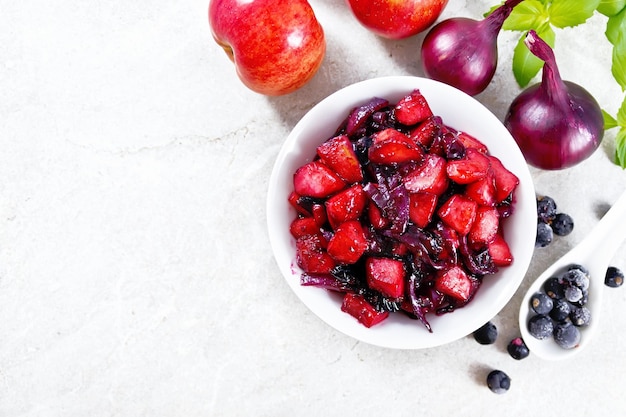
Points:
(340, 68)
(479, 372)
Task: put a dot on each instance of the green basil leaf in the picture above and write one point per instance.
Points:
(616, 25)
(611, 7)
(529, 14)
(567, 13)
(525, 64)
(618, 66)
(621, 114)
(620, 148)
(609, 121)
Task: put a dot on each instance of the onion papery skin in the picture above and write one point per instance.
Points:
(552, 136)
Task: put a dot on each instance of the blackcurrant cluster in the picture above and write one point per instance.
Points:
(551, 222)
(561, 307)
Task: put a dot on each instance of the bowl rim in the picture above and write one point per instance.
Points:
(336, 107)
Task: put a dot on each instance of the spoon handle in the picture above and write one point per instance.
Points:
(606, 237)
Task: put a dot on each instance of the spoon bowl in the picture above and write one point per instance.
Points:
(594, 253)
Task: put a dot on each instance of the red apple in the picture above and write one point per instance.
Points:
(276, 45)
(397, 19)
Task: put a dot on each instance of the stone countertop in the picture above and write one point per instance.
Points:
(136, 277)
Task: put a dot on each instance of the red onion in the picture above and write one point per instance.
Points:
(463, 52)
(556, 123)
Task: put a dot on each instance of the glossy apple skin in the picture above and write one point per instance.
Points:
(397, 19)
(277, 46)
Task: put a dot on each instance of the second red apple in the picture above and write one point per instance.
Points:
(277, 46)
(397, 19)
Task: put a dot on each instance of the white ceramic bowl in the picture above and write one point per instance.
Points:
(458, 110)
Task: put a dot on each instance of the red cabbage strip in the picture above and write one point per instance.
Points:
(359, 115)
(323, 281)
(392, 198)
(417, 303)
(477, 262)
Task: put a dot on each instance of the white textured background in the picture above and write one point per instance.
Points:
(136, 277)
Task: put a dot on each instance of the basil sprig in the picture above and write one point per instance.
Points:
(544, 16)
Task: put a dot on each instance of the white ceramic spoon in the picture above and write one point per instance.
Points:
(594, 252)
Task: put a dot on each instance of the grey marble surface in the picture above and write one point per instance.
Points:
(136, 277)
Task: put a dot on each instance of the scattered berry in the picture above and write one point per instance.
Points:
(566, 335)
(614, 277)
(498, 382)
(580, 316)
(561, 310)
(576, 285)
(563, 224)
(486, 334)
(578, 266)
(578, 277)
(544, 235)
(541, 303)
(583, 301)
(573, 294)
(540, 327)
(517, 348)
(546, 209)
(553, 288)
